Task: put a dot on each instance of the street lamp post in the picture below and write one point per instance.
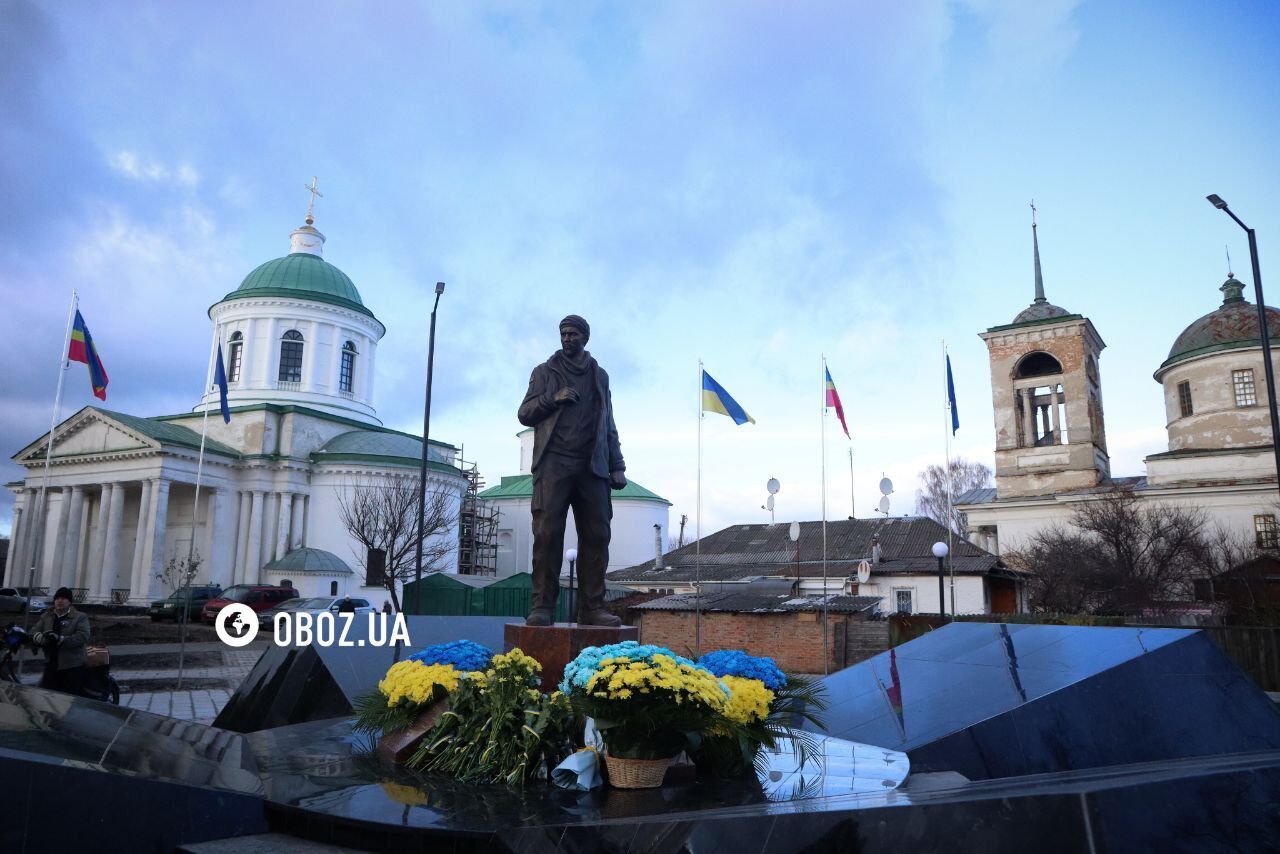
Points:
(1218, 203)
(940, 552)
(422, 474)
(571, 555)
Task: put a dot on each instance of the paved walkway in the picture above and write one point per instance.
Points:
(200, 705)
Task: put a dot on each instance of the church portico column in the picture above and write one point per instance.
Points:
(82, 549)
(106, 578)
(253, 551)
(242, 538)
(153, 556)
(138, 567)
(282, 527)
(296, 523)
(64, 572)
(93, 566)
(20, 537)
(213, 506)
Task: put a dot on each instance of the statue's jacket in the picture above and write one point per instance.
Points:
(539, 411)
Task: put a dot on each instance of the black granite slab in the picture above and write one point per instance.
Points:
(993, 700)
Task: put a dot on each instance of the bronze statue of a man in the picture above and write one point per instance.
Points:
(576, 460)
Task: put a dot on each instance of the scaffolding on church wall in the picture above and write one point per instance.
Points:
(477, 528)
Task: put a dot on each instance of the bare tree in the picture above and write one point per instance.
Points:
(931, 497)
(382, 516)
(178, 573)
(1122, 555)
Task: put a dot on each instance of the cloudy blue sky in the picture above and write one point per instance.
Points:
(752, 183)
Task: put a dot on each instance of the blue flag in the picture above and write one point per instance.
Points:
(951, 399)
(220, 380)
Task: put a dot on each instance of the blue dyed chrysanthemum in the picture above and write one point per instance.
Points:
(579, 671)
(735, 662)
(464, 655)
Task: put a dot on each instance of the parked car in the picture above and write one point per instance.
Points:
(266, 619)
(259, 597)
(334, 604)
(15, 600)
(170, 607)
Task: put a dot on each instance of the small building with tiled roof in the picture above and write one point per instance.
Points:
(898, 551)
(299, 346)
(1050, 431)
(638, 530)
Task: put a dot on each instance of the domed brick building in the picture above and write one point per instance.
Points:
(299, 346)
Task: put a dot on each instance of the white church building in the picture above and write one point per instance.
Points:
(299, 346)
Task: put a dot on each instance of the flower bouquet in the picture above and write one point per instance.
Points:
(499, 728)
(764, 706)
(414, 693)
(648, 704)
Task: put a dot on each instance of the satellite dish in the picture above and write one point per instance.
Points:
(864, 572)
(773, 486)
(886, 486)
(884, 504)
(768, 503)
(795, 531)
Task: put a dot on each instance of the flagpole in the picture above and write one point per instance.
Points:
(187, 576)
(853, 507)
(826, 653)
(42, 499)
(697, 560)
(946, 396)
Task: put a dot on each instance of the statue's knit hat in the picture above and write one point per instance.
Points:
(575, 320)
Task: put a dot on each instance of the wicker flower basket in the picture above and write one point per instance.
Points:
(635, 773)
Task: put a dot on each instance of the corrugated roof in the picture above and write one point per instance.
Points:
(760, 603)
(396, 447)
(521, 486)
(743, 551)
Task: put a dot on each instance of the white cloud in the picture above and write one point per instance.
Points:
(145, 169)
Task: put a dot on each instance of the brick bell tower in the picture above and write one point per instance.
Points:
(1047, 396)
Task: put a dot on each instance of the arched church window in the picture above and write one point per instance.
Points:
(291, 357)
(347, 369)
(235, 355)
(1037, 365)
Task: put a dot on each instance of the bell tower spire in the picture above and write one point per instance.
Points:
(1035, 248)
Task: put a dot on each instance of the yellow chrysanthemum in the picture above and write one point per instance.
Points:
(402, 794)
(749, 700)
(414, 682)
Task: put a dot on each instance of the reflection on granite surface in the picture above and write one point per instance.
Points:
(992, 700)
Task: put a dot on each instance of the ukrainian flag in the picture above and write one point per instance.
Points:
(716, 399)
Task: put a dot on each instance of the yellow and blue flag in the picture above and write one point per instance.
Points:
(716, 399)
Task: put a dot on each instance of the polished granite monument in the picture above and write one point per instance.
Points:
(1060, 740)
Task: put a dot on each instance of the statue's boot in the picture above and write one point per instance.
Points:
(598, 617)
(538, 617)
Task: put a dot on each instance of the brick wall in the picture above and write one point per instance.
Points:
(794, 641)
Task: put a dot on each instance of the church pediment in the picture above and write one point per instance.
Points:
(89, 433)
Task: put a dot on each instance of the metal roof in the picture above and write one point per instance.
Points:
(760, 603)
(742, 551)
(303, 276)
(521, 486)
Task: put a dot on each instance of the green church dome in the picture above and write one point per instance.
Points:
(304, 276)
(1233, 325)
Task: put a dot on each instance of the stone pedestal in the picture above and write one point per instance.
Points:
(555, 646)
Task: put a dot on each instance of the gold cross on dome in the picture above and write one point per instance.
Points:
(1033, 213)
(311, 205)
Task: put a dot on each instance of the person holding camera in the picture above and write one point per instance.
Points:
(63, 633)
